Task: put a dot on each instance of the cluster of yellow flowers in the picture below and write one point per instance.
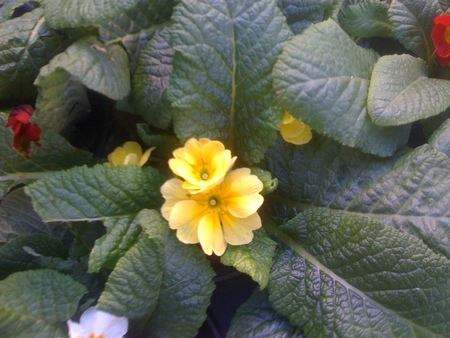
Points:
(213, 205)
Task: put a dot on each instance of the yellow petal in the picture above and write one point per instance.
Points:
(186, 213)
(130, 159)
(241, 182)
(212, 149)
(172, 193)
(145, 156)
(244, 206)
(117, 157)
(210, 234)
(183, 169)
(238, 231)
(296, 132)
(132, 147)
(287, 117)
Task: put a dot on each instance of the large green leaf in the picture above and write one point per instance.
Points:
(38, 303)
(400, 91)
(366, 19)
(96, 193)
(409, 193)
(102, 68)
(171, 282)
(26, 44)
(254, 259)
(323, 77)
(62, 100)
(55, 154)
(135, 27)
(257, 318)
(301, 14)
(121, 234)
(440, 140)
(17, 218)
(413, 23)
(78, 13)
(346, 275)
(222, 84)
(151, 80)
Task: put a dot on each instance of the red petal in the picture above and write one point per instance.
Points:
(441, 44)
(443, 19)
(33, 133)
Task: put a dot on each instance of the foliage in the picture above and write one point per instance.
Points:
(355, 237)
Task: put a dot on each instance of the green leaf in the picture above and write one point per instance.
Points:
(254, 259)
(413, 23)
(26, 44)
(301, 14)
(7, 8)
(121, 234)
(222, 84)
(323, 77)
(135, 27)
(408, 192)
(440, 140)
(165, 144)
(132, 288)
(62, 100)
(151, 80)
(366, 19)
(20, 253)
(346, 275)
(171, 283)
(17, 218)
(400, 91)
(102, 68)
(38, 303)
(257, 318)
(55, 154)
(96, 193)
(78, 13)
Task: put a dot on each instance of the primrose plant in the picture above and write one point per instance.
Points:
(150, 149)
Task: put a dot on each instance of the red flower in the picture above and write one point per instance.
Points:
(24, 131)
(441, 38)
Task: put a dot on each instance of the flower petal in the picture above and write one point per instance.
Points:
(145, 156)
(132, 147)
(76, 330)
(244, 206)
(172, 193)
(186, 213)
(238, 231)
(210, 234)
(109, 325)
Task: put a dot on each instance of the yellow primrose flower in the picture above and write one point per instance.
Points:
(225, 214)
(130, 153)
(294, 130)
(201, 163)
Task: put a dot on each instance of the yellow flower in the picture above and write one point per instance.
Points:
(294, 130)
(201, 163)
(130, 153)
(224, 214)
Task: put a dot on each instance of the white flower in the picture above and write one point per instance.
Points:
(98, 324)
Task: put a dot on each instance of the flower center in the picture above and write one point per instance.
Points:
(447, 35)
(204, 176)
(213, 202)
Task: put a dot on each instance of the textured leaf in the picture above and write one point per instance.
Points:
(301, 14)
(19, 254)
(55, 154)
(254, 259)
(257, 318)
(17, 217)
(7, 8)
(135, 27)
(61, 102)
(323, 77)
(366, 19)
(102, 68)
(440, 140)
(122, 233)
(413, 23)
(221, 84)
(410, 193)
(151, 79)
(38, 303)
(26, 44)
(99, 192)
(400, 91)
(78, 13)
(171, 282)
(347, 275)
